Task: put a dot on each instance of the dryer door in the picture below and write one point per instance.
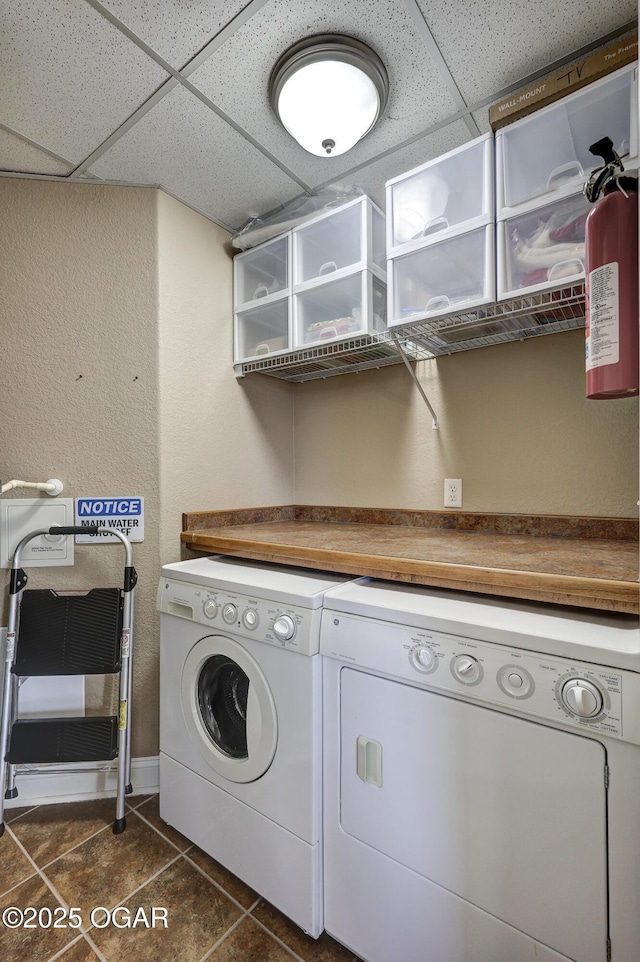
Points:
(229, 709)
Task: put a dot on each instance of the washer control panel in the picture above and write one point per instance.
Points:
(574, 693)
(283, 625)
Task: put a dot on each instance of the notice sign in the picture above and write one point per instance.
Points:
(124, 514)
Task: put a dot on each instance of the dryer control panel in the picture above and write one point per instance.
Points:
(283, 625)
(574, 693)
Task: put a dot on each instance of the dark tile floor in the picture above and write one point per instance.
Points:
(58, 857)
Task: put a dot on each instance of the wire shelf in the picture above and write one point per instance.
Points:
(341, 357)
(532, 315)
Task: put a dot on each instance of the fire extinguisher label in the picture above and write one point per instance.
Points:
(603, 335)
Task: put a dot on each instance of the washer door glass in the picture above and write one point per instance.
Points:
(229, 709)
(223, 689)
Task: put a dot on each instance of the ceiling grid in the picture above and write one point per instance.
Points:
(174, 93)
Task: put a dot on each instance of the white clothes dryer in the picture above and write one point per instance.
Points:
(481, 778)
(241, 722)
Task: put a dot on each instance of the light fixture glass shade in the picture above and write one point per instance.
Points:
(328, 92)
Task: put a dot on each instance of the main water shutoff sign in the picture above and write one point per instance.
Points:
(125, 514)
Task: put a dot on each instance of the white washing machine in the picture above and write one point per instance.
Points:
(241, 722)
(481, 778)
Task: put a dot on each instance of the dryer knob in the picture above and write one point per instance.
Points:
(582, 698)
(467, 669)
(229, 613)
(284, 627)
(423, 658)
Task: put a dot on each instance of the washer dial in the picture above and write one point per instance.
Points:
(250, 618)
(210, 608)
(229, 613)
(582, 698)
(423, 658)
(284, 627)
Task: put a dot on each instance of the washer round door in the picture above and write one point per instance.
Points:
(229, 709)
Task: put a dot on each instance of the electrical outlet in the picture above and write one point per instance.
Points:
(453, 492)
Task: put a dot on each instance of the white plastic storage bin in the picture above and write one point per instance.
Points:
(542, 247)
(263, 330)
(447, 277)
(341, 308)
(348, 238)
(262, 271)
(454, 189)
(549, 150)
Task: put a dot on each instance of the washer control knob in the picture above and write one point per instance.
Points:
(210, 608)
(250, 618)
(515, 679)
(229, 613)
(467, 669)
(284, 627)
(582, 698)
(423, 658)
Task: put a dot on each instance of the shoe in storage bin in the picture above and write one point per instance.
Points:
(348, 238)
(346, 307)
(450, 276)
(542, 248)
(452, 190)
(262, 330)
(549, 150)
(262, 271)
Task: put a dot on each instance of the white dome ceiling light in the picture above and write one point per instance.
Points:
(328, 91)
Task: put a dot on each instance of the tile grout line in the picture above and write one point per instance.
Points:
(84, 933)
(216, 945)
(82, 937)
(29, 859)
(51, 888)
(277, 939)
(161, 834)
(219, 886)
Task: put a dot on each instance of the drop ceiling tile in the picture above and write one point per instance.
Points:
(236, 77)
(16, 155)
(69, 77)
(491, 45)
(372, 178)
(481, 118)
(185, 147)
(176, 29)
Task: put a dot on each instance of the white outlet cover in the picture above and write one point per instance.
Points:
(21, 516)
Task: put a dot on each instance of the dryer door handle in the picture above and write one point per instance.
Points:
(369, 760)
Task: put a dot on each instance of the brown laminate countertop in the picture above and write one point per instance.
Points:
(588, 562)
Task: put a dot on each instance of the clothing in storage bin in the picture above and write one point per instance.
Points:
(543, 247)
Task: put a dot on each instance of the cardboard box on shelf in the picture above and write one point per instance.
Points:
(548, 89)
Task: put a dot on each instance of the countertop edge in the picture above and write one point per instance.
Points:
(605, 594)
(542, 525)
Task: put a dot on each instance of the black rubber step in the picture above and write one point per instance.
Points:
(43, 740)
(69, 634)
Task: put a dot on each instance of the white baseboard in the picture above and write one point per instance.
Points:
(81, 781)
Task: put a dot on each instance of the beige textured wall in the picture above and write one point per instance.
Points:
(116, 373)
(224, 443)
(514, 425)
(78, 368)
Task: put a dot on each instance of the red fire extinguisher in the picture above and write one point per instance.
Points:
(611, 240)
